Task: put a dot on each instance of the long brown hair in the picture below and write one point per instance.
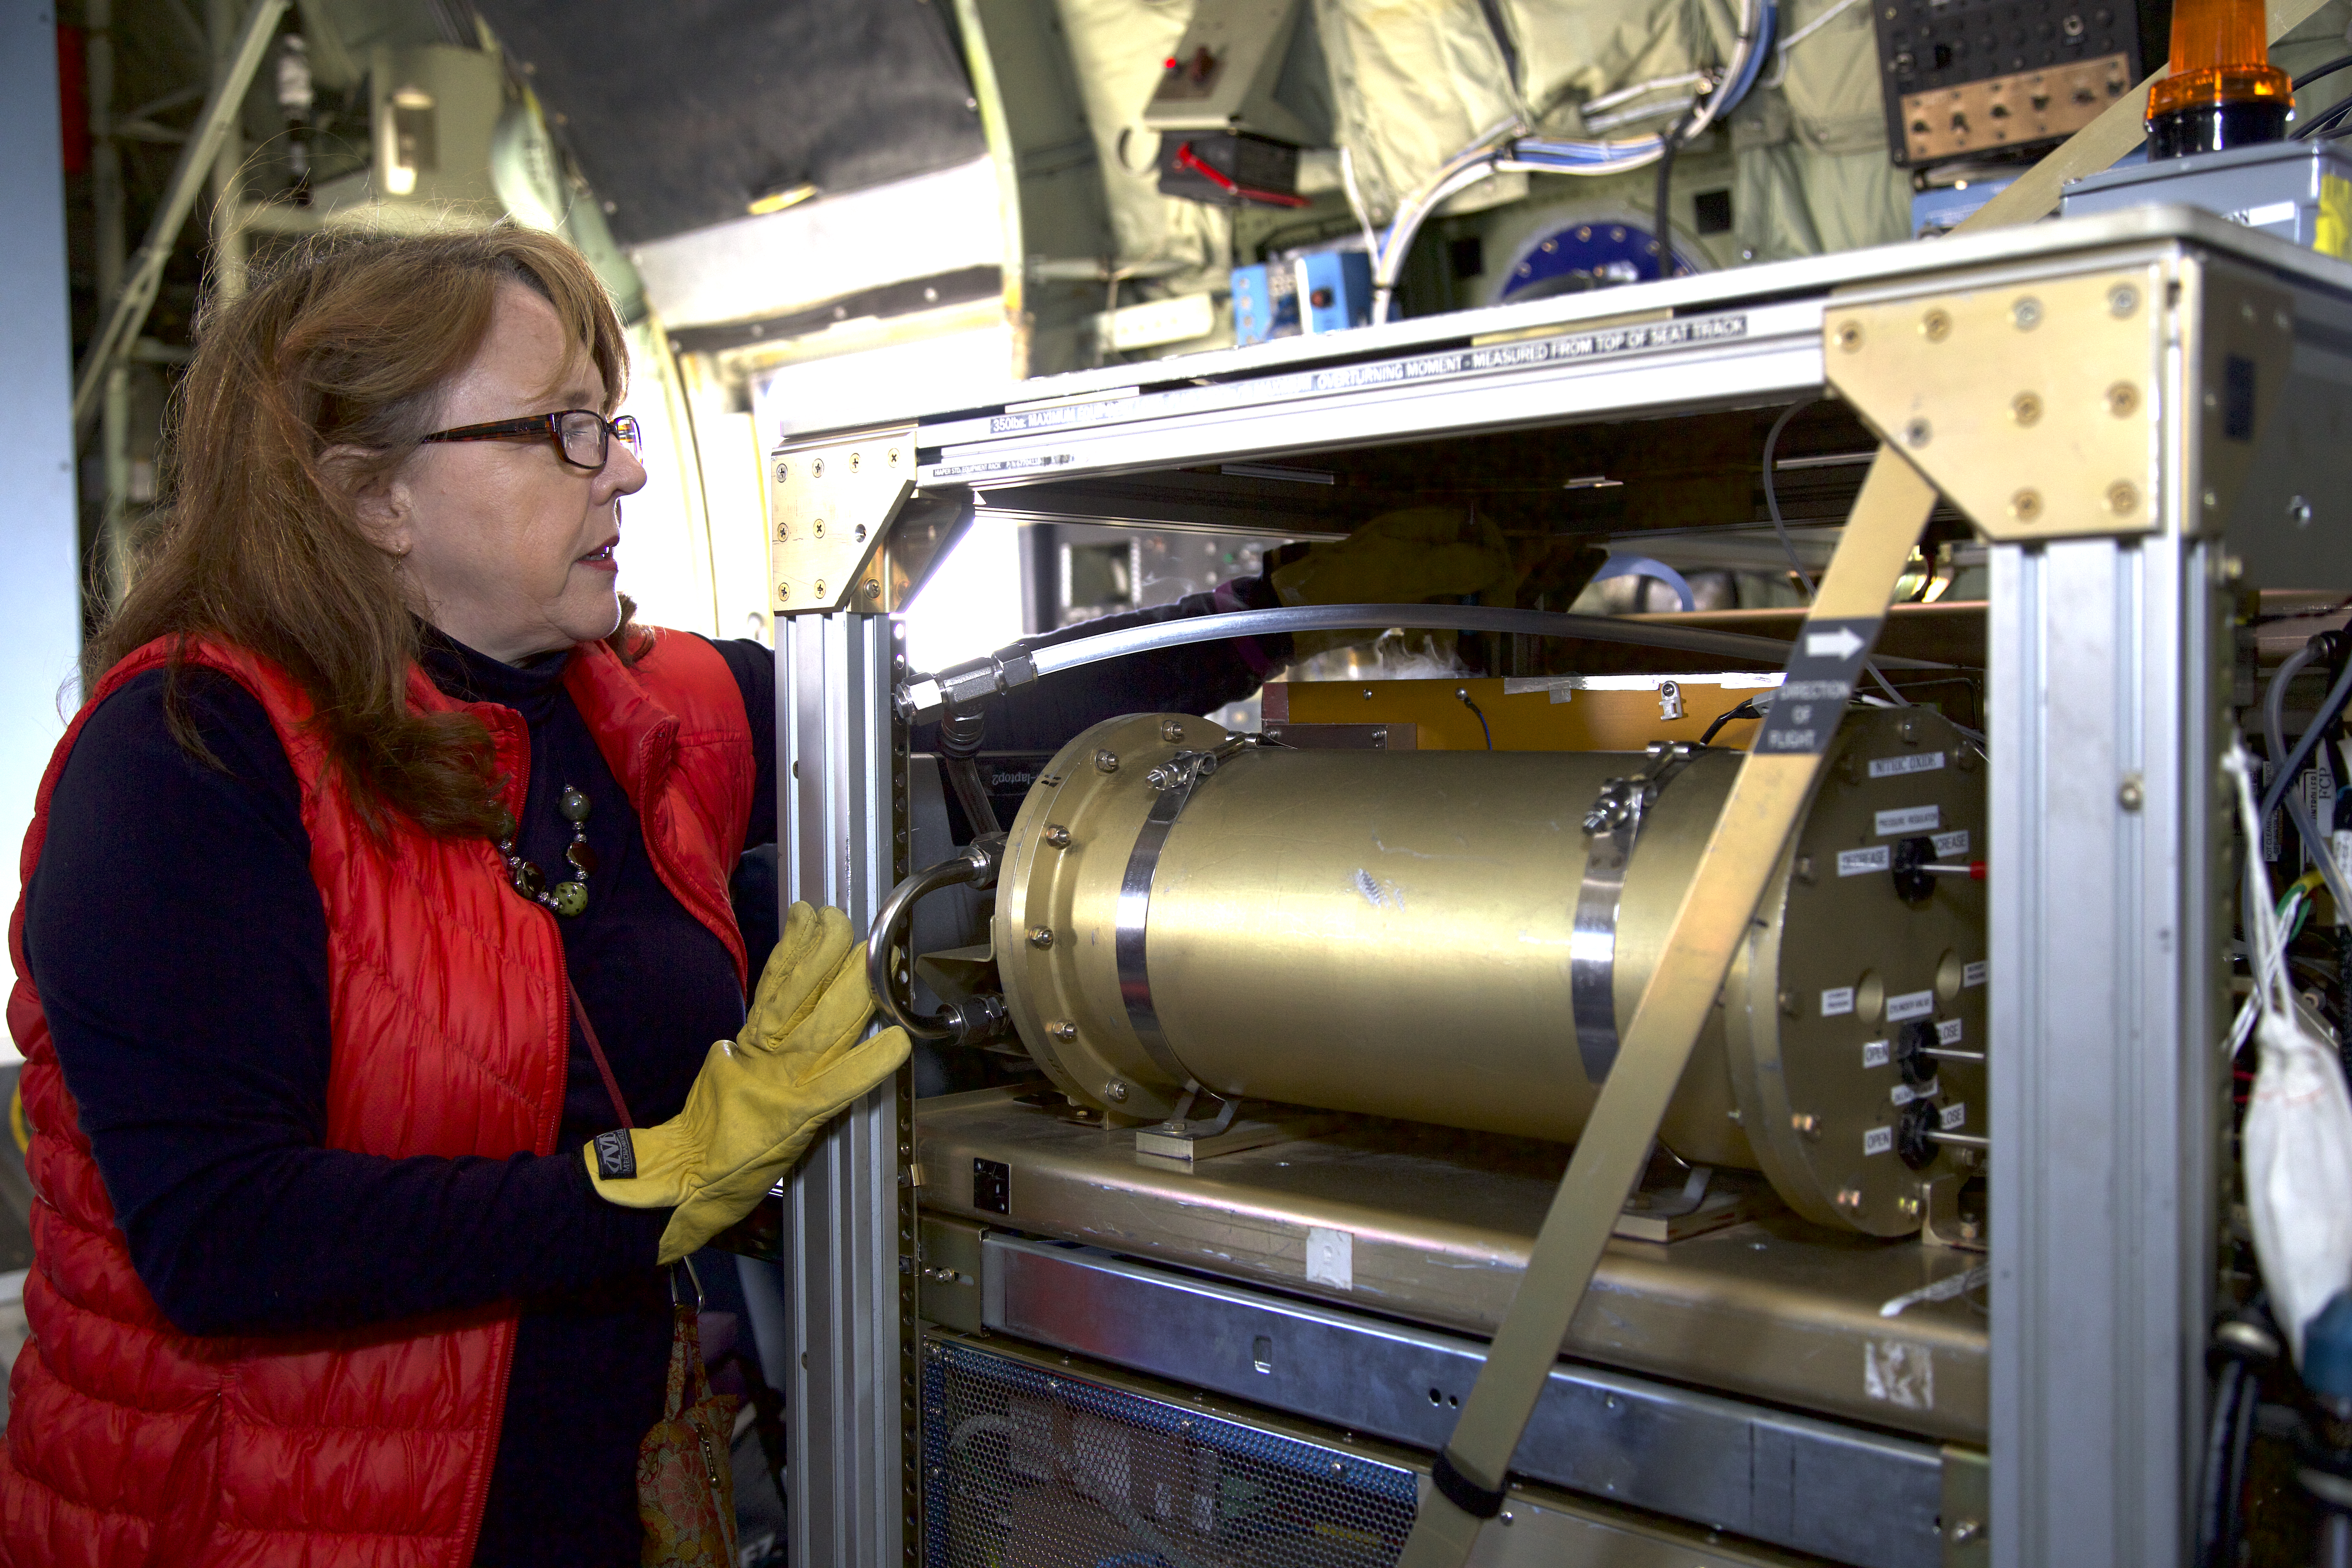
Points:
(346, 343)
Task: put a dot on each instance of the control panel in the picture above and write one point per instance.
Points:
(1967, 78)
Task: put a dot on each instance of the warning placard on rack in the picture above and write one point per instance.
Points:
(1822, 674)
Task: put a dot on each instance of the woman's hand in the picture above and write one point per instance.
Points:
(761, 1098)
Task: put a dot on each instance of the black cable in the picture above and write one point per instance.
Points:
(1672, 139)
(2220, 1429)
(2233, 1498)
(2315, 73)
(1745, 709)
(1462, 692)
(2325, 121)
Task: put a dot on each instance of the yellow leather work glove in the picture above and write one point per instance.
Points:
(1398, 558)
(762, 1096)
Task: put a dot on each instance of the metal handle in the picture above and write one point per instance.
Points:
(974, 866)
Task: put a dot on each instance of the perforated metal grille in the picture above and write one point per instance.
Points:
(1027, 1468)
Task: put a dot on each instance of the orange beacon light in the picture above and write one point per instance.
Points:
(2222, 90)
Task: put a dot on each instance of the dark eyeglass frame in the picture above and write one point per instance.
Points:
(550, 427)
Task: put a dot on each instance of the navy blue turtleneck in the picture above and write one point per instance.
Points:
(180, 948)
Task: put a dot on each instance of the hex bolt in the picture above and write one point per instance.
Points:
(2025, 407)
(2122, 300)
(2123, 400)
(1041, 936)
(1935, 325)
(1057, 835)
(1106, 761)
(1063, 1030)
(2026, 313)
(1909, 729)
(1114, 1091)
(1918, 433)
(1789, 1003)
(1172, 732)
(1806, 1125)
(1849, 1197)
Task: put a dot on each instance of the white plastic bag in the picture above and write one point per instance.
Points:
(2297, 1138)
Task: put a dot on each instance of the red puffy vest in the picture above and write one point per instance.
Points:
(130, 1443)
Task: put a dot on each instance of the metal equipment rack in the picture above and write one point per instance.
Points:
(2127, 477)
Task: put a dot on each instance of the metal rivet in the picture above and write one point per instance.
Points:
(2025, 505)
(1114, 1091)
(2131, 795)
(2298, 511)
(1057, 835)
(1041, 936)
(1106, 761)
(1936, 326)
(2123, 497)
(2122, 300)
(1918, 433)
(2025, 407)
(1062, 1029)
(1171, 731)
(2026, 313)
(2123, 400)
(1849, 337)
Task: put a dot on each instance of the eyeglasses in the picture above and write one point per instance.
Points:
(582, 438)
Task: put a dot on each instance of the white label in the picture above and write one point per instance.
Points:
(1903, 1094)
(1855, 862)
(1332, 1258)
(2266, 214)
(1948, 1032)
(1910, 820)
(1911, 1005)
(1974, 974)
(1837, 1003)
(1948, 845)
(1955, 1117)
(1895, 767)
(1874, 1053)
(1898, 1373)
(1879, 1140)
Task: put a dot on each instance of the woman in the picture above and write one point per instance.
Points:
(380, 795)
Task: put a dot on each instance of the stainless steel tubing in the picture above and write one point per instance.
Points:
(975, 864)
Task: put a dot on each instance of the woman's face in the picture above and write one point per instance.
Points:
(505, 546)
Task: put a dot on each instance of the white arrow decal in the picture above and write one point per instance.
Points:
(1840, 644)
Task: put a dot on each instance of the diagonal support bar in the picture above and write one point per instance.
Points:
(128, 310)
(1775, 782)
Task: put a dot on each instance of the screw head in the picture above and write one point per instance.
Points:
(1057, 835)
(2122, 300)
(2123, 400)
(1041, 936)
(894, 457)
(816, 469)
(1806, 1125)
(2131, 795)
(818, 527)
(1935, 325)
(2026, 313)
(783, 593)
(1114, 1091)
(1918, 432)
(820, 587)
(871, 589)
(1171, 731)
(2025, 407)
(2298, 511)
(1849, 1197)
(783, 472)
(852, 462)
(1849, 337)
(2025, 505)
(1062, 1029)
(1106, 761)
(2123, 497)
(784, 530)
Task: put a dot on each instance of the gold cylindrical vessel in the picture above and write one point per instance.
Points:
(1437, 936)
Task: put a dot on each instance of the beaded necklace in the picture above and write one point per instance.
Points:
(567, 898)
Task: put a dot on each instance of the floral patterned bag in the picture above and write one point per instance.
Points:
(686, 1489)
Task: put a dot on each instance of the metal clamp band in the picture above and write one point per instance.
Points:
(1174, 779)
(1612, 823)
